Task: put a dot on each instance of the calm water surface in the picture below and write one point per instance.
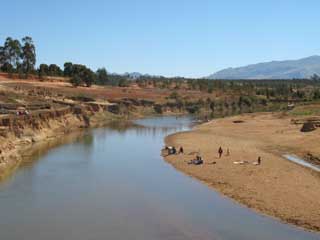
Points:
(113, 184)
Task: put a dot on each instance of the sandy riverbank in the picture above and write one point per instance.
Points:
(278, 187)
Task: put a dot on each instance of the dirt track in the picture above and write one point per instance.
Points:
(277, 187)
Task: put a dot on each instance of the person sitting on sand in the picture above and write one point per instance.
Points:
(174, 150)
(181, 150)
(169, 149)
(197, 161)
(220, 151)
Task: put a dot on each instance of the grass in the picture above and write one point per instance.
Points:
(305, 111)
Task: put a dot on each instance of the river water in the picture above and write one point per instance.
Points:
(112, 183)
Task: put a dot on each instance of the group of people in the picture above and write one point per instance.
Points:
(22, 112)
(198, 160)
(220, 153)
(172, 150)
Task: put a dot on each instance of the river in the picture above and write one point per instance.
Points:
(112, 183)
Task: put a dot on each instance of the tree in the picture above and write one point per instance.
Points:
(43, 70)
(102, 76)
(2, 57)
(212, 106)
(10, 54)
(210, 88)
(316, 94)
(123, 82)
(75, 80)
(54, 70)
(28, 55)
(68, 69)
(7, 67)
(88, 77)
(79, 74)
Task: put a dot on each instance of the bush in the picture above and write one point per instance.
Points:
(193, 109)
(174, 95)
(75, 81)
(158, 109)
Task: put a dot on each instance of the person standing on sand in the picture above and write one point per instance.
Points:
(259, 160)
(181, 150)
(220, 151)
(228, 152)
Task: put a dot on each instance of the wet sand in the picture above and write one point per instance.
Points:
(277, 187)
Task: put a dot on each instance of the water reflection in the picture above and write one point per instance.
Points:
(112, 183)
(142, 127)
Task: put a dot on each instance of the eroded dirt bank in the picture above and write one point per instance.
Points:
(34, 111)
(22, 136)
(277, 187)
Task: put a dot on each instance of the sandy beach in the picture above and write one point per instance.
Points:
(277, 187)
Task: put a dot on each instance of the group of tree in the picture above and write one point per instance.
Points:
(18, 57)
(52, 70)
(79, 74)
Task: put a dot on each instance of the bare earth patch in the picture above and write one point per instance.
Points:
(277, 187)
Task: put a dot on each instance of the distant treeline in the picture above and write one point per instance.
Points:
(280, 89)
(19, 57)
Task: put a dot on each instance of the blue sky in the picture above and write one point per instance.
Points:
(165, 37)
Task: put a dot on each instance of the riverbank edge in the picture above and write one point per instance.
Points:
(170, 140)
(12, 155)
(52, 129)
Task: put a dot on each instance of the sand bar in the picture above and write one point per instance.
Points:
(277, 187)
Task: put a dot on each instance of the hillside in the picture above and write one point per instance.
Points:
(302, 68)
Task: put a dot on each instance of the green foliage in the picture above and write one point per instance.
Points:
(158, 109)
(17, 58)
(75, 80)
(174, 95)
(80, 74)
(7, 67)
(310, 110)
(10, 55)
(28, 55)
(68, 67)
(102, 76)
(54, 70)
(51, 70)
(316, 94)
(43, 70)
(193, 109)
(88, 77)
(245, 100)
(210, 88)
(123, 83)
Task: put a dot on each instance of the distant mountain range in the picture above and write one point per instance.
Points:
(134, 75)
(302, 68)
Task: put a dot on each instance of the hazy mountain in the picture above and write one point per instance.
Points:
(133, 75)
(302, 68)
(137, 75)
